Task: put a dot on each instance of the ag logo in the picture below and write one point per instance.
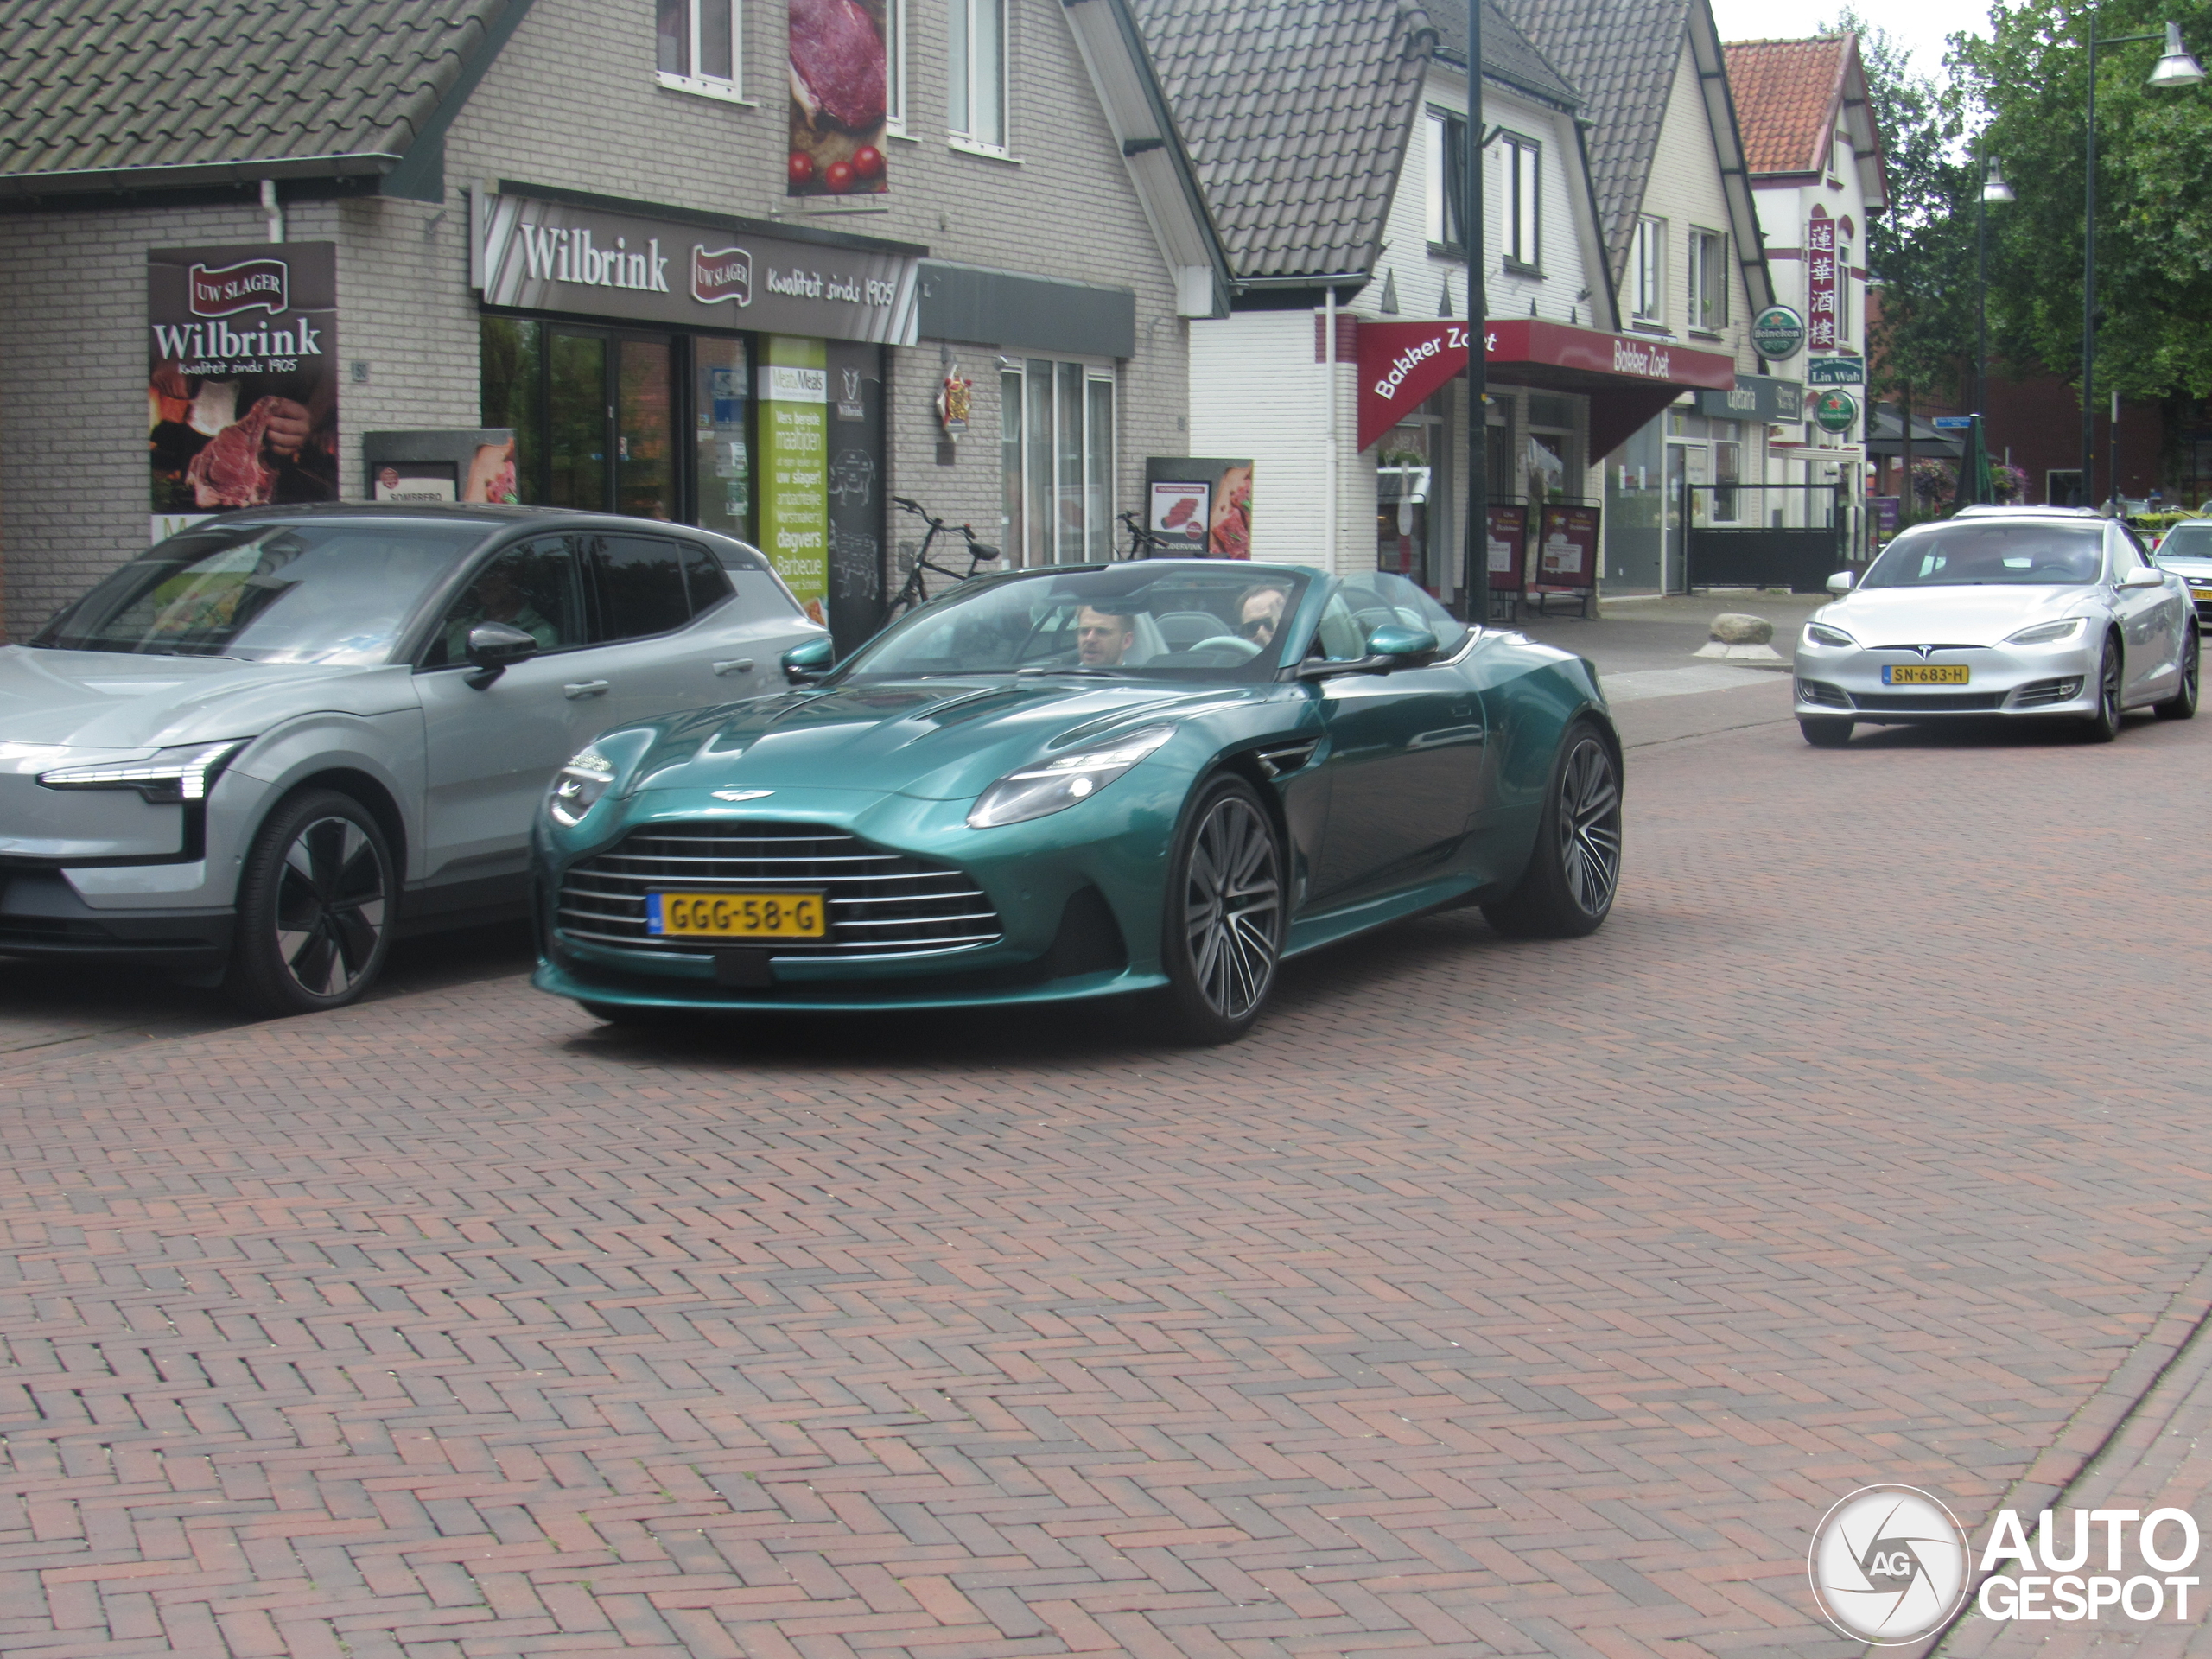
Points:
(1888, 1565)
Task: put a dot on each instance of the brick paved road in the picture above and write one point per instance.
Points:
(1493, 1298)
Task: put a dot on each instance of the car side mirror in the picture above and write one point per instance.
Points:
(2144, 576)
(1402, 648)
(805, 663)
(495, 647)
(1840, 582)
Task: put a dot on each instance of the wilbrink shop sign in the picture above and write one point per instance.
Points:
(242, 388)
(553, 256)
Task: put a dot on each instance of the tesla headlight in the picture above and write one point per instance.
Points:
(2047, 634)
(166, 777)
(1819, 634)
(1064, 780)
(578, 785)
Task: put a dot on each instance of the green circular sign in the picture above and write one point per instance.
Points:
(1777, 332)
(1835, 410)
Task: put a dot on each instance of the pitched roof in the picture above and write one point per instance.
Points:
(1787, 96)
(1295, 113)
(1508, 53)
(106, 93)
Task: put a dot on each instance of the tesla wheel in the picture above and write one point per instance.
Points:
(2183, 704)
(2104, 726)
(1223, 928)
(315, 901)
(1568, 889)
(1823, 732)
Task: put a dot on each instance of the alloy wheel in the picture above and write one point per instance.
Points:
(1232, 905)
(1590, 826)
(332, 897)
(2108, 687)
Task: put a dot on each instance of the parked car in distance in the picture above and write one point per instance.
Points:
(2187, 552)
(262, 748)
(1156, 777)
(2017, 611)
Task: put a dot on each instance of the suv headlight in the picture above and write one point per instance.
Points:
(166, 777)
(1819, 634)
(2046, 633)
(1054, 786)
(578, 785)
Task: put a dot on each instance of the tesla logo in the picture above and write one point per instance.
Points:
(742, 794)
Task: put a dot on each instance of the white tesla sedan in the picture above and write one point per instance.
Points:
(2000, 611)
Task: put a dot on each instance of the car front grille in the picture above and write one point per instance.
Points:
(878, 903)
(1926, 703)
(1821, 692)
(2037, 693)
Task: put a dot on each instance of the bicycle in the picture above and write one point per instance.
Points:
(1143, 544)
(915, 593)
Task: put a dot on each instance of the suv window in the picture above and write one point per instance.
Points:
(534, 587)
(705, 582)
(639, 581)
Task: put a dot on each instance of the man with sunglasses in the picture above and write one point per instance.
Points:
(1259, 614)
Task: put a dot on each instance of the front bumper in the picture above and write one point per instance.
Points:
(43, 914)
(2004, 681)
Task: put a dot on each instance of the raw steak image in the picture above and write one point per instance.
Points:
(229, 472)
(837, 63)
(1180, 512)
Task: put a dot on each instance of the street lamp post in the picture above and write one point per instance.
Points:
(2175, 68)
(1472, 228)
(1994, 189)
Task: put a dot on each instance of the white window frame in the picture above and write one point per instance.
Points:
(1016, 536)
(1442, 211)
(1709, 288)
(894, 82)
(1520, 203)
(1647, 270)
(960, 123)
(729, 87)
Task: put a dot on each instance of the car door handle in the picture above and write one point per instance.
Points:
(738, 665)
(586, 687)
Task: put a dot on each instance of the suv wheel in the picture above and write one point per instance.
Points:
(315, 901)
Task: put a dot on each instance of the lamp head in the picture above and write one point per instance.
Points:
(1993, 187)
(2178, 67)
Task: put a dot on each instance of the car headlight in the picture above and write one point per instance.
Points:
(2046, 633)
(1064, 781)
(578, 785)
(166, 777)
(1819, 634)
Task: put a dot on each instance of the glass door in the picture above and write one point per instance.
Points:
(644, 441)
(578, 412)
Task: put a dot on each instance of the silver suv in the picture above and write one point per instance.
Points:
(263, 747)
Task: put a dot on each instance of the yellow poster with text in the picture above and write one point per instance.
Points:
(795, 467)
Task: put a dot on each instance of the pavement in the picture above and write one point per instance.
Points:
(1493, 1297)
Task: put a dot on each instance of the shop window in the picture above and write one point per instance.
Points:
(976, 73)
(513, 370)
(1448, 179)
(1708, 275)
(576, 405)
(1647, 270)
(1056, 462)
(697, 46)
(1522, 160)
(722, 383)
(1727, 472)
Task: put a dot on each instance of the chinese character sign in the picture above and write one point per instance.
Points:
(1820, 282)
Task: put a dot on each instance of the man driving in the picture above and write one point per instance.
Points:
(496, 597)
(1259, 614)
(1101, 638)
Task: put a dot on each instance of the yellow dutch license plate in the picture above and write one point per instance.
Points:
(736, 915)
(1925, 673)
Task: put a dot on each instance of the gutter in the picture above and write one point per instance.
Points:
(123, 181)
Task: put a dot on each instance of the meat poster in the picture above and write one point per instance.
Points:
(242, 378)
(1199, 508)
(840, 74)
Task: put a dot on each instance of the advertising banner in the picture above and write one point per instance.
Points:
(1201, 508)
(1820, 280)
(242, 378)
(1837, 372)
(1507, 534)
(690, 272)
(1566, 550)
(855, 503)
(1756, 397)
(795, 468)
(839, 75)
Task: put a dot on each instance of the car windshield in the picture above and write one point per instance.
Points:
(1968, 553)
(1133, 620)
(322, 592)
(2187, 542)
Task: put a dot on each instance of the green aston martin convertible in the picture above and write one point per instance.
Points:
(1159, 777)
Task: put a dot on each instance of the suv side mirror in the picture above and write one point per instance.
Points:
(1840, 582)
(804, 664)
(495, 647)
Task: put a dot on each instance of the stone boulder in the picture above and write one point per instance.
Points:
(1735, 628)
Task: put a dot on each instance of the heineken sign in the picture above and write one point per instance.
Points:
(1777, 332)
(1836, 372)
(1835, 411)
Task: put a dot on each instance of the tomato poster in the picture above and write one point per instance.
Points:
(1199, 508)
(839, 76)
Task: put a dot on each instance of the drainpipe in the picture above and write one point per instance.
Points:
(1329, 485)
(273, 209)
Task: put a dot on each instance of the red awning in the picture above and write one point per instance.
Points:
(1627, 377)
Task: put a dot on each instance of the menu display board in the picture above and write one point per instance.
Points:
(795, 468)
(1508, 535)
(1566, 550)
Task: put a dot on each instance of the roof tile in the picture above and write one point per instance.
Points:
(1786, 93)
